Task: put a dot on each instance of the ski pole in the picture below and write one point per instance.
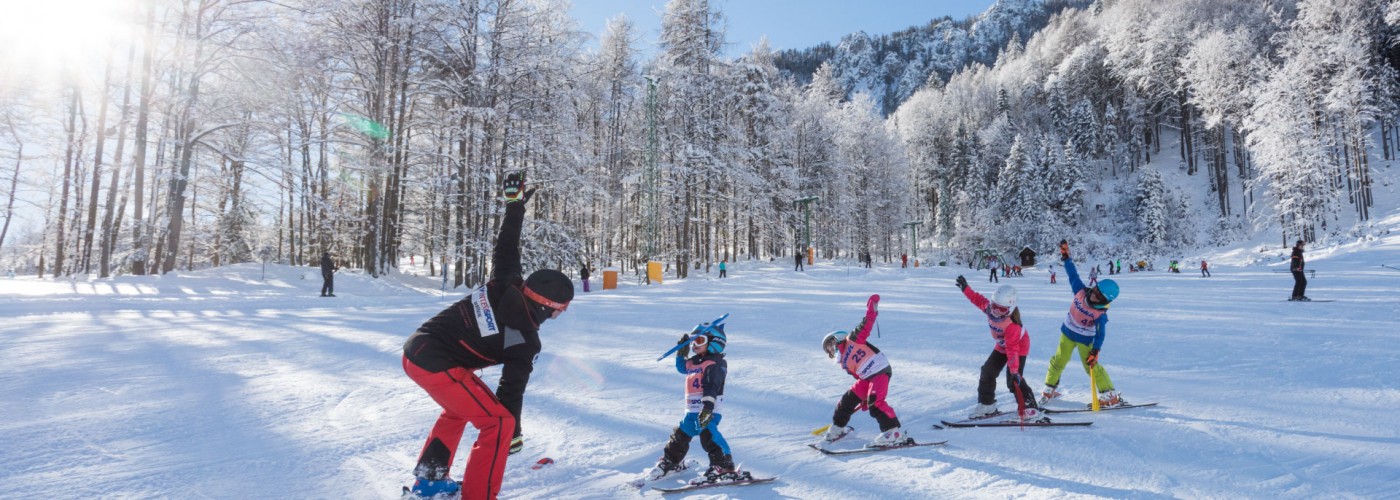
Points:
(821, 429)
(703, 329)
(1093, 389)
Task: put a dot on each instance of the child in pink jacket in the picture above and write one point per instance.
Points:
(1013, 343)
(872, 372)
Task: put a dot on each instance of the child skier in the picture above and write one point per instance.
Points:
(702, 362)
(1084, 329)
(1013, 343)
(872, 371)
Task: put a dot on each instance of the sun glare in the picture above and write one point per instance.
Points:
(41, 38)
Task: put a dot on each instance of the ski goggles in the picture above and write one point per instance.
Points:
(1096, 299)
(998, 310)
(556, 306)
(699, 341)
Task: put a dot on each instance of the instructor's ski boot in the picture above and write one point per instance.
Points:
(429, 489)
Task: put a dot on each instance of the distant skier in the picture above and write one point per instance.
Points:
(1084, 329)
(872, 372)
(1013, 343)
(497, 324)
(702, 362)
(722, 269)
(1205, 270)
(993, 277)
(1052, 274)
(903, 260)
(1295, 265)
(1093, 276)
(328, 269)
(797, 257)
(583, 276)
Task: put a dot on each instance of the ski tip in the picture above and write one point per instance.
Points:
(939, 427)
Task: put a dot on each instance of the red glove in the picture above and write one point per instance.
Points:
(1093, 358)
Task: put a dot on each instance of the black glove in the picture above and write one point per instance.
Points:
(514, 188)
(1015, 379)
(962, 283)
(516, 445)
(1093, 358)
(685, 338)
(707, 413)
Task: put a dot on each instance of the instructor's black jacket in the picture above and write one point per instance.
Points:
(452, 339)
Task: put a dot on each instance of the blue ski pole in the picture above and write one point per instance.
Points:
(700, 329)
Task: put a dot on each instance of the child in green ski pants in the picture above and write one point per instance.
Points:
(1083, 330)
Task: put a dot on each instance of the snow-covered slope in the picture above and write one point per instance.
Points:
(226, 384)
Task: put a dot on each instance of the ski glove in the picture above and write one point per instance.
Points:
(962, 283)
(516, 445)
(514, 188)
(1015, 379)
(707, 413)
(1064, 249)
(1093, 358)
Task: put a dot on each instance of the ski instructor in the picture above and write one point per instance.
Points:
(497, 324)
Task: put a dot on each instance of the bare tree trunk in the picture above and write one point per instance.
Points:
(14, 186)
(143, 113)
(110, 222)
(91, 226)
(69, 156)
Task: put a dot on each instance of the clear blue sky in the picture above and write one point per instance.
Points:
(789, 24)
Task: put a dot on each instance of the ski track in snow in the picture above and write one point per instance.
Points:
(218, 384)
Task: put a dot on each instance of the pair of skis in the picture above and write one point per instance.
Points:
(745, 479)
(1011, 419)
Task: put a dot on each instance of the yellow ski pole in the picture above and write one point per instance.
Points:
(1093, 389)
(823, 428)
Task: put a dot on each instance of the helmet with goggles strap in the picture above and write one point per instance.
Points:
(831, 340)
(1003, 301)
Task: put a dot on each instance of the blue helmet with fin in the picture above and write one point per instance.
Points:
(717, 338)
(713, 333)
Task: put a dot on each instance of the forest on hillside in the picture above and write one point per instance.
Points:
(213, 132)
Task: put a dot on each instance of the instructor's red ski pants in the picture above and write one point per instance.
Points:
(465, 399)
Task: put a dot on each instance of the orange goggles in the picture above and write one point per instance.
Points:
(543, 301)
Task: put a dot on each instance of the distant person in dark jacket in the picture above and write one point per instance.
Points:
(583, 275)
(1295, 265)
(328, 269)
(497, 324)
(797, 257)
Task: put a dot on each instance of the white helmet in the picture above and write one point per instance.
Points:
(830, 341)
(1005, 296)
(1003, 301)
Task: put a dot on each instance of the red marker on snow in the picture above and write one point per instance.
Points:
(543, 462)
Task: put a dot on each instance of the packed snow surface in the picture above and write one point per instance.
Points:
(240, 382)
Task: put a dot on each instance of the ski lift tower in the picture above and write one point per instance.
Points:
(805, 203)
(913, 226)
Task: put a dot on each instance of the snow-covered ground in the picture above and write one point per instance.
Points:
(231, 384)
